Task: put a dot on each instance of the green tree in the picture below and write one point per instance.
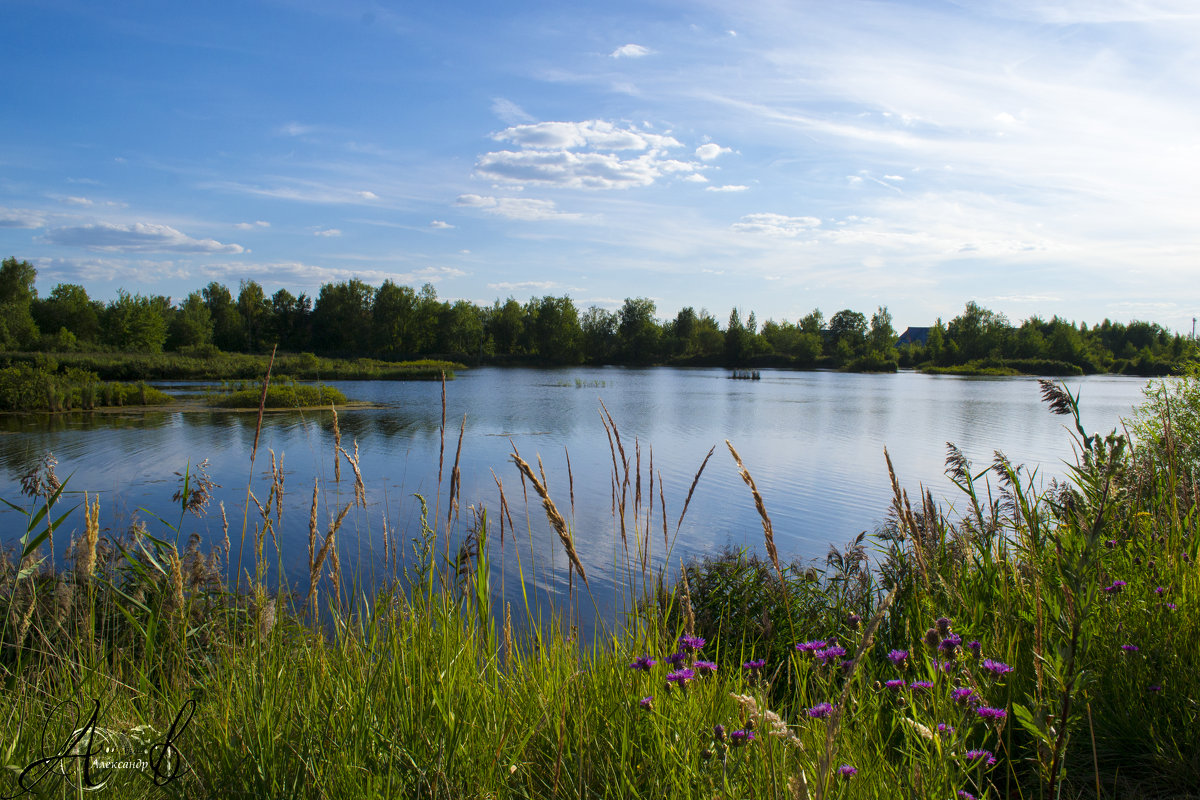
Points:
(394, 320)
(133, 323)
(341, 318)
(599, 328)
(17, 293)
(505, 325)
(638, 333)
(557, 335)
(882, 337)
(848, 329)
(228, 334)
(69, 307)
(254, 311)
(191, 325)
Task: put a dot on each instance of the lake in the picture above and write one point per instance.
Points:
(813, 442)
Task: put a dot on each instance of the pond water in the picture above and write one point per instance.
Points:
(813, 442)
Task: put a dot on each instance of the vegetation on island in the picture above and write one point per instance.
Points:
(1037, 642)
(208, 332)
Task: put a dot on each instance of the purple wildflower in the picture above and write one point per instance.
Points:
(830, 653)
(950, 645)
(932, 640)
(691, 643)
(975, 647)
(643, 663)
(811, 646)
(739, 738)
(754, 666)
(1129, 648)
(846, 772)
(1116, 587)
(681, 677)
(647, 703)
(944, 728)
(961, 694)
(997, 668)
(898, 657)
(943, 626)
(921, 686)
(855, 620)
(675, 659)
(821, 710)
(707, 666)
(975, 755)
(719, 732)
(1160, 591)
(897, 683)
(1156, 688)
(1170, 606)
(991, 714)
(963, 794)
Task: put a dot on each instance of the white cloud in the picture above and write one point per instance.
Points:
(707, 152)
(368, 195)
(519, 208)
(776, 224)
(630, 51)
(249, 226)
(295, 129)
(135, 238)
(21, 218)
(517, 286)
(327, 232)
(582, 155)
(77, 201)
(729, 187)
(440, 225)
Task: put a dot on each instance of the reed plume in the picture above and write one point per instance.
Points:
(768, 529)
(552, 514)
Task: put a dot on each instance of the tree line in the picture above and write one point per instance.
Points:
(354, 319)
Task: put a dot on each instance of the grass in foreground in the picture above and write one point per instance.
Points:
(1039, 645)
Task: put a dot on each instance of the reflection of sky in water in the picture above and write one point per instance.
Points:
(812, 440)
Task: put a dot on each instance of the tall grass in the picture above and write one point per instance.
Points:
(1038, 644)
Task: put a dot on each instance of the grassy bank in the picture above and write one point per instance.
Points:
(43, 387)
(1036, 643)
(215, 365)
(280, 394)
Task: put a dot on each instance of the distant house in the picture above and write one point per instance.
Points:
(913, 335)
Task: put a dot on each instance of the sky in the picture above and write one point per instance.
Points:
(1038, 158)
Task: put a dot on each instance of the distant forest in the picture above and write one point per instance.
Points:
(352, 319)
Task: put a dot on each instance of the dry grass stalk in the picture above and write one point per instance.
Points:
(312, 528)
(508, 633)
(504, 509)
(277, 485)
(385, 541)
(225, 528)
(337, 446)
(360, 489)
(262, 402)
(907, 522)
(556, 519)
(768, 529)
(691, 490)
(328, 549)
(662, 505)
(570, 481)
(455, 475)
(86, 565)
(176, 604)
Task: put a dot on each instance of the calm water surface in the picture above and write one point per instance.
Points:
(813, 442)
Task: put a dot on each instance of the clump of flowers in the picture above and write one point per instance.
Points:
(690, 644)
(812, 646)
(996, 715)
(705, 666)
(821, 710)
(741, 738)
(680, 678)
(962, 694)
(1115, 587)
(975, 755)
(643, 663)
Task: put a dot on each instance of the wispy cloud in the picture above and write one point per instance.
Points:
(729, 187)
(630, 51)
(708, 152)
(327, 232)
(250, 226)
(522, 286)
(508, 111)
(21, 218)
(438, 224)
(775, 224)
(519, 208)
(135, 237)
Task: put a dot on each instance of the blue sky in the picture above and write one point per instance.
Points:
(1036, 157)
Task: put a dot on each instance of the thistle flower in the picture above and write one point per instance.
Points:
(742, 737)
(975, 647)
(675, 659)
(680, 677)
(690, 644)
(897, 683)
(963, 794)
(961, 694)
(643, 663)
(997, 668)
(1129, 648)
(975, 755)
(1160, 591)
(719, 732)
(706, 666)
(647, 703)
(846, 772)
(932, 639)
(921, 686)
(898, 657)
(854, 620)
(830, 653)
(943, 626)
(943, 728)
(990, 714)
(754, 666)
(821, 710)
(811, 646)
(950, 645)
(1115, 588)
